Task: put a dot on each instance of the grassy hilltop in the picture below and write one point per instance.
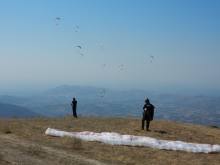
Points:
(23, 141)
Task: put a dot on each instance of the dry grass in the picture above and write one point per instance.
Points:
(72, 143)
(1, 157)
(35, 150)
(5, 129)
(34, 130)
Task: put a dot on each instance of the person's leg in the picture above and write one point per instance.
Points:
(143, 118)
(148, 125)
(75, 114)
(142, 124)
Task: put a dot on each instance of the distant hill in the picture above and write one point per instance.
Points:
(55, 102)
(13, 99)
(10, 110)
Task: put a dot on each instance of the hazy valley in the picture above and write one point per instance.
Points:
(202, 110)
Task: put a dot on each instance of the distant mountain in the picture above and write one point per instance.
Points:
(10, 110)
(203, 110)
(13, 99)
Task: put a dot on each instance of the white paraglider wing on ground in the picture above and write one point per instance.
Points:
(132, 140)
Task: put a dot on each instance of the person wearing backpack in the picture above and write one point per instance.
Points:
(148, 114)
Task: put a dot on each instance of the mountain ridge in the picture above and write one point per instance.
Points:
(56, 102)
(10, 110)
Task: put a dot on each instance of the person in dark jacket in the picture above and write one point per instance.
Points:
(148, 114)
(74, 104)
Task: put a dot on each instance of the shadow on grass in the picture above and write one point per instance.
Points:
(213, 126)
(161, 132)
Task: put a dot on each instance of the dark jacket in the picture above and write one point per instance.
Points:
(148, 113)
(74, 103)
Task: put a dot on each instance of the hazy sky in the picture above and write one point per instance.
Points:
(37, 52)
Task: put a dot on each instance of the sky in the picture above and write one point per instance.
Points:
(39, 53)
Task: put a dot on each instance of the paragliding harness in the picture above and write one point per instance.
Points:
(147, 114)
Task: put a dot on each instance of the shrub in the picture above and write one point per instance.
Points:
(213, 126)
(5, 129)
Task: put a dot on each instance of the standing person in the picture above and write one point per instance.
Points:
(74, 104)
(148, 114)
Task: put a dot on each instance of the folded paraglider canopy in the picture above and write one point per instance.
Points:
(114, 138)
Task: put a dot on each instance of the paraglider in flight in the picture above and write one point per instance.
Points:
(152, 57)
(102, 91)
(120, 65)
(81, 55)
(78, 47)
(56, 18)
(76, 27)
(102, 45)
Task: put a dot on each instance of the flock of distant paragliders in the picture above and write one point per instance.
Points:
(102, 91)
(102, 47)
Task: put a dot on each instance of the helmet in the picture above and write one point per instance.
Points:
(147, 100)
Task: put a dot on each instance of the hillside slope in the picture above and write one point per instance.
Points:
(10, 110)
(27, 137)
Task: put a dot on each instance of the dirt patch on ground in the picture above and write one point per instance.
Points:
(19, 151)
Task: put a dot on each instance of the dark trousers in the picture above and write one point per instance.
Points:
(147, 124)
(74, 112)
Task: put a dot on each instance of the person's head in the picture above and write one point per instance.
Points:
(73, 98)
(147, 101)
